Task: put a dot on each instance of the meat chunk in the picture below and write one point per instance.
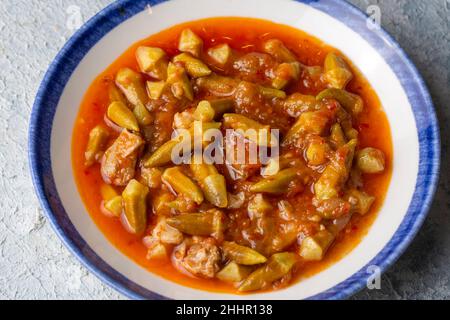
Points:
(255, 67)
(119, 162)
(199, 256)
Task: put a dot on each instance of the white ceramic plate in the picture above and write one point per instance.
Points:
(399, 87)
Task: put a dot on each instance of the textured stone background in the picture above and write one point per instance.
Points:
(33, 262)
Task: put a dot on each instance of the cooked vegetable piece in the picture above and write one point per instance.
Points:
(142, 115)
(98, 138)
(179, 81)
(121, 115)
(113, 206)
(242, 255)
(207, 223)
(251, 129)
(152, 61)
(135, 206)
(194, 67)
(115, 94)
(204, 112)
(314, 248)
(108, 192)
(370, 160)
(218, 85)
(119, 161)
(361, 201)
(190, 42)
(221, 54)
(156, 89)
(317, 151)
(233, 272)
(163, 155)
(337, 72)
(313, 122)
(132, 85)
(160, 203)
(209, 110)
(285, 237)
(336, 172)
(276, 184)
(215, 190)
(183, 184)
(285, 73)
(278, 50)
(279, 265)
(271, 93)
(351, 102)
(212, 183)
(337, 136)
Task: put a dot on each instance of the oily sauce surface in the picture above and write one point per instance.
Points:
(246, 35)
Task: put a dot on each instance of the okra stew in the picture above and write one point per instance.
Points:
(243, 226)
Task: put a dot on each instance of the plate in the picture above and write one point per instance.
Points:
(100, 41)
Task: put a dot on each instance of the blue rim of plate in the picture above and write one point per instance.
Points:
(85, 38)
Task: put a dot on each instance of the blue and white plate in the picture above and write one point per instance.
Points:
(97, 44)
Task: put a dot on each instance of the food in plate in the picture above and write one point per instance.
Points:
(232, 226)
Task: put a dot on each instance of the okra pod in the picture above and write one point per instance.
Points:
(190, 42)
(194, 67)
(212, 183)
(121, 115)
(156, 89)
(135, 206)
(336, 172)
(352, 103)
(132, 85)
(152, 61)
(183, 184)
(199, 224)
(115, 94)
(337, 136)
(313, 248)
(370, 160)
(271, 93)
(179, 81)
(241, 254)
(221, 54)
(209, 110)
(113, 207)
(314, 122)
(279, 265)
(278, 50)
(233, 272)
(276, 184)
(361, 201)
(285, 73)
(337, 72)
(98, 138)
(108, 192)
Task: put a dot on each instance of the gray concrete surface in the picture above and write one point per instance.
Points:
(33, 262)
